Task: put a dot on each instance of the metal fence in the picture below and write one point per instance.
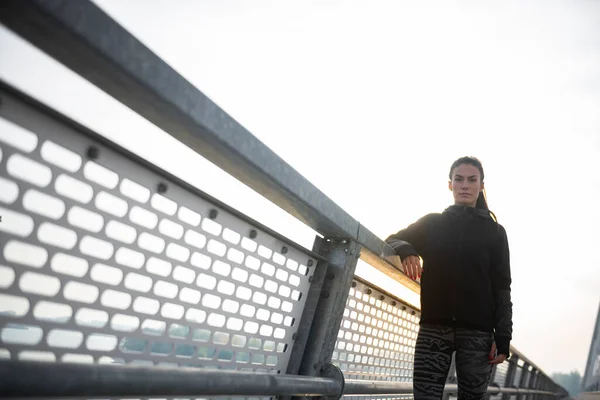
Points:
(119, 280)
(591, 378)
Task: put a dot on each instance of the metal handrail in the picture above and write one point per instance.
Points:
(34, 379)
(81, 36)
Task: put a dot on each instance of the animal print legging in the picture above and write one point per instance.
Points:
(433, 356)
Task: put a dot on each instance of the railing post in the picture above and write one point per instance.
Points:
(452, 378)
(492, 380)
(341, 256)
(523, 380)
(531, 383)
(510, 375)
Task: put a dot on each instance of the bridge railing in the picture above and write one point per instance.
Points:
(118, 279)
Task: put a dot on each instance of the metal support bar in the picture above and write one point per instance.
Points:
(492, 380)
(452, 378)
(23, 379)
(510, 375)
(524, 375)
(360, 387)
(39, 379)
(342, 255)
(78, 34)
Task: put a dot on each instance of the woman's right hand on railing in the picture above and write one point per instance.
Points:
(412, 267)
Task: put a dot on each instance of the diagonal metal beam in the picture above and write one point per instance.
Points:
(81, 36)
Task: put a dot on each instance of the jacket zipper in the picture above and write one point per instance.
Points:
(456, 272)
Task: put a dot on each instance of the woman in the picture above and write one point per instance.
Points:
(465, 288)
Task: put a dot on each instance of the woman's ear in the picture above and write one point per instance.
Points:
(450, 185)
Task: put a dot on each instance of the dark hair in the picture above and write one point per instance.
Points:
(481, 200)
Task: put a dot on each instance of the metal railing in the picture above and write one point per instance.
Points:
(118, 279)
(591, 378)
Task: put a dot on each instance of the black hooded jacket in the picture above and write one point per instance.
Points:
(466, 270)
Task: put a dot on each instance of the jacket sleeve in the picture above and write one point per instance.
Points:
(410, 241)
(501, 281)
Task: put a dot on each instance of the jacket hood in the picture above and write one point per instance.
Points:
(465, 212)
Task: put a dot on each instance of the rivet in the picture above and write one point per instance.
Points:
(93, 152)
(381, 297)
(403, 308)
(369, 291)
(310, 263)
(325, 295)
(294, 336)
(330, 275)
(213, 214)
(353, 284)
(414, 312)
(253, 234)
(393, 303)
(284, 250)
(162, 187)
(310, 279)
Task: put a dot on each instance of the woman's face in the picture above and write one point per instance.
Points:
(466, 185)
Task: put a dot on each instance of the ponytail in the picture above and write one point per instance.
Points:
(482, 204)
(482, 201)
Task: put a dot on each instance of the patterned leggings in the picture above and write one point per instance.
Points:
(433, 356)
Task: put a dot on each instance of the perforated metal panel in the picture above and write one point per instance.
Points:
(103, 260)
(500, 376)
(377, 337)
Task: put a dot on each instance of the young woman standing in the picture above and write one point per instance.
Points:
(465, 288)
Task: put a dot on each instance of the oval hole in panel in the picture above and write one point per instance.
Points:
(17, 136)
(114, 299)
(172, 311)
(101, 175)
(170, 228)
(137, 282)
(43, 204)
(60, 156)
(100, 342)
(53, 312)
(56, 235)
(13, 306)
(129, 258)
(134, 190)
(111, 204)
(21, 334)
(145, 305)
(122, 232)
(91, 317)
(7, 276)
(188, 216)
(64, 338)
(94, 247)
(151, 243)
(73, 188)
(106, 274)
(69, 265)
(190, 296)
(81, 292)
(143, 217)
(44, 285)
(85, 219)
(9, 190)
(15, 223)
(28, 170)
(161, 203)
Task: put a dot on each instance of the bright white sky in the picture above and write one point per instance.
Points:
(372, 101)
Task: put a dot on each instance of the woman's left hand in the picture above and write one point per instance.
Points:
(496, 359)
